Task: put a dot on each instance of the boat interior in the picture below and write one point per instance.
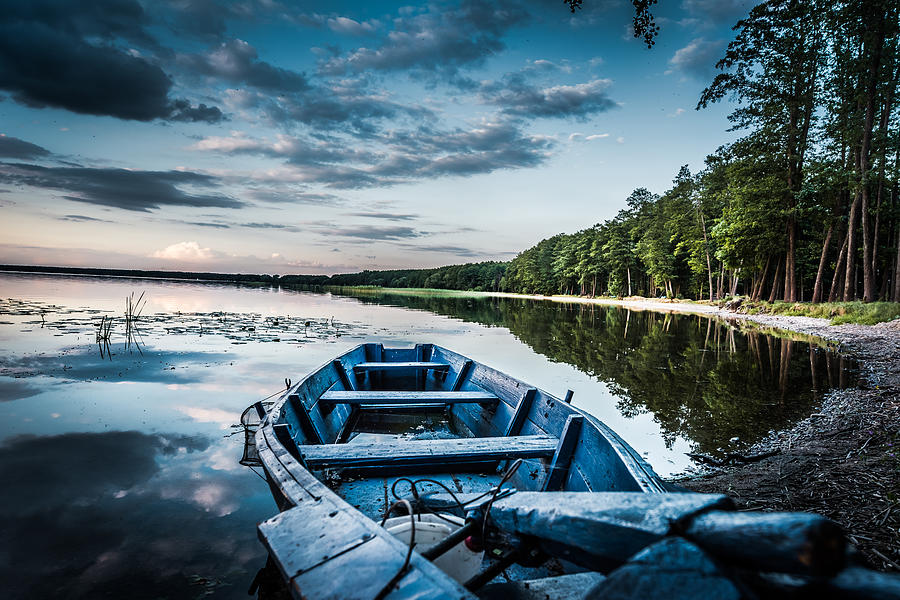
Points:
(375, 421)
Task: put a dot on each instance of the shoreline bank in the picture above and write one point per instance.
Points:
(842, 461)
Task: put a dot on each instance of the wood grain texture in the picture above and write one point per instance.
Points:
(598, 530)
(404, 397)
(427, 452)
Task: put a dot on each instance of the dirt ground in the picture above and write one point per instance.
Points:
(842, 461)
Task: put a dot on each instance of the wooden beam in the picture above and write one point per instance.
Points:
(396, 366)
(562, 458)
(342, 374)
(521, 414)
(463, 371)
(428, 452)
(310, 431)
(401, 398)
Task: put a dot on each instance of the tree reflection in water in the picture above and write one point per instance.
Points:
(704, 380)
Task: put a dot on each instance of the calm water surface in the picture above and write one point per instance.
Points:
(121, 474)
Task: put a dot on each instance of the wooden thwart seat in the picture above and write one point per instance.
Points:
(428, 452)
(396, 366)
(401, 398)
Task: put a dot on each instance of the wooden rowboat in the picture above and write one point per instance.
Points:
(554, 499)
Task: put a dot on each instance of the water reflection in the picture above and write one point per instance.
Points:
(701, 379)
(122, 514)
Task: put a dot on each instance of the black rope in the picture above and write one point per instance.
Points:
(412, 542)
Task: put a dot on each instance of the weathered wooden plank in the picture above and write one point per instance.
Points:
(310, 432)
(598, 530)
(404, 397)
(801, 543)
(562, 458)
(396, 366)
(518, 418)
(427, 452)
(562, 587)
(673, 569)
(325, 549)
(463, 371)
(342, 374)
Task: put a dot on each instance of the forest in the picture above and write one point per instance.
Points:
(803, 207)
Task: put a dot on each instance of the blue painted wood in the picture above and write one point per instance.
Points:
(562, 458)
(310, 432)
(599, 530)
(342, 374)
(427, 452)
(568, 398)
(463, 371)
(386, 398)
(397, 366)
(518, 418)
(673, 569)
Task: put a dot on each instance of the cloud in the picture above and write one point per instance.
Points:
(406, 155)
(580, 137)
(517, 96)
(15, 389)
(384, 215)
(347, 26)
(439, 40)
(13, 147)
(80, 466)
(55, 54)
(677, 113)
(83, 219)
(184, 251)
(698, 58)
(373, 233)
(140, 191)
(236, 61)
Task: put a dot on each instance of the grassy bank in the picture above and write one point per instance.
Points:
(838, 313)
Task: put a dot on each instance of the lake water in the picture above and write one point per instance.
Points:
(120, 462)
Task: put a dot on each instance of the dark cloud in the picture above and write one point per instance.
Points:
(237, 62)
(275, 196)
(440, 40)
(698, 58)
(12, 147)
(407, 155)
(516, 95)
(384, 215)
(455, 250)
(82, 219)
(369, 232)
(118, 188)
(80, 466)
(63, 55)
(345, 103)
(181, 110)
(14, 389)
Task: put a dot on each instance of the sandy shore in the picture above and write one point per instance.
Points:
(842, 461)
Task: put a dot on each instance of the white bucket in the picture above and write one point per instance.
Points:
(458, 562)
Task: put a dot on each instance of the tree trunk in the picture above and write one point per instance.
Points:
(762, 280)
(817, 287)
(850, 276)
(868, 125)
(838, 272)
(628, 269)
(790, 272)
(774, 293)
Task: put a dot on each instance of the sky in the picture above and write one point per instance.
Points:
(270, 136)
